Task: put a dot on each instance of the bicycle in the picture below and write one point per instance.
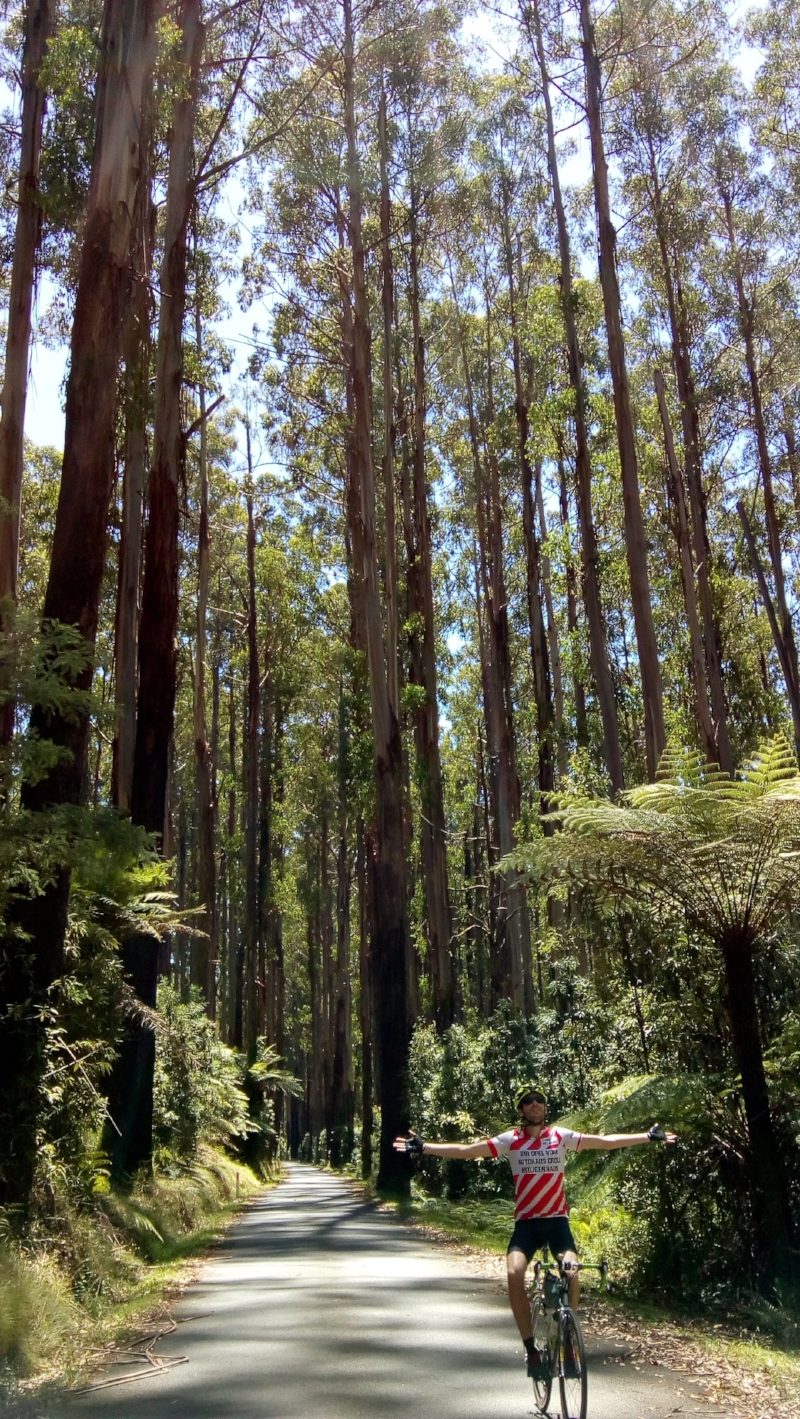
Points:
(557, 1334)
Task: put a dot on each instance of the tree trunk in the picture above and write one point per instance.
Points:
(509, 798)
(578, 691)
(681, 358)
(251, 778)
(204, 949)
(540, 661)
(341, 1137)
(747, 325)
(327, 933)
(78, 558)
(792, 456)
(314, 990)
(390, 932)
(552, 630)
(39, 20)
(601, 670)
(266, 905)
(777, 634)
(635, 545)
(422, 640)
(508, 965)
(705, 724)
(358, 637)
(159, 620)
(365, 1003)
(270, 874)
(137, 387)
(771, 1206)
(387, 305)
(34, 958)
(158, 624)
(235, 980)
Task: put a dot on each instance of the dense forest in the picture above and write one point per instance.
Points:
(408, 710)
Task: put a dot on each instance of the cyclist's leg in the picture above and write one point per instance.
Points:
(562, 1243)
(521, 1247)
(570, 1255)
(517, 1265)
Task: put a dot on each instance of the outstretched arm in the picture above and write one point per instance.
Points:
(444, 1150)
(625, 1140)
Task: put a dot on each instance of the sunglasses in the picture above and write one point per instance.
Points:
(533, 1099)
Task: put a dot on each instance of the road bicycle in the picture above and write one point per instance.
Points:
(557, 1334)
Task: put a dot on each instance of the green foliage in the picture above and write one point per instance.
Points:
(83, 1275)
(674, 1224)
(725, 853)
(37, 1314)
(197, 1094)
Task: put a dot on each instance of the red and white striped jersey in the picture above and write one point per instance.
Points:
(537, 1165)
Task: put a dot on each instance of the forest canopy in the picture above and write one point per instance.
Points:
(399, 688)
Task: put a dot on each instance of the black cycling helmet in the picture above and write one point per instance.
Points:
(530, 1093)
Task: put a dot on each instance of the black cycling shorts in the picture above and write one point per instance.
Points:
(530, 1234)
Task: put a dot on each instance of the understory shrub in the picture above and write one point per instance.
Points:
(38, 1315)
(77, 1278)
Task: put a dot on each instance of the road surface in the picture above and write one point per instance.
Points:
(317, 1305)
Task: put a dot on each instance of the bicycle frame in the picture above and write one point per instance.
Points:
(561, 1328)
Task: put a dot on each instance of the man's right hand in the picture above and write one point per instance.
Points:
(412, 1144)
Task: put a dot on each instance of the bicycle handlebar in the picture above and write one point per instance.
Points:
(601, 1266)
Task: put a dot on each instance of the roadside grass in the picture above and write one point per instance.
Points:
(87, 1280)
(750, 1352)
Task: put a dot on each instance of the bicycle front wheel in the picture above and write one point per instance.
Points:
(541, 1339)
(572, 1367)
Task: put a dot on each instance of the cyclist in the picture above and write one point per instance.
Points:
(537, 1154)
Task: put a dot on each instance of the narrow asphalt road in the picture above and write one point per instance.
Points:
(319, 1306)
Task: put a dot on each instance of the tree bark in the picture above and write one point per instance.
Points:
(270, 873)
(204, 949)
(251, 781)
(313, 932)
(540, 660)
(358, 637)
(159, 618)
(771, 1207)
(772, 617)
(747, 326)
(792, 456)
(390, 529)
(327, 934)
(342, 1100)
(136, 394)
(705, 723)
(508, 965)
(388, 947)
(578, 690)
(158, 623)
(496, 597)
(635, 545)
(598, 646)
(34, 957)
(682, 362)
(235, 978)
(365, 1003)
(422, 643)
(553, 639)
(39, 20)
(266, 905)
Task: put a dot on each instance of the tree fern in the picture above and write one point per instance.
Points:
(722, 856)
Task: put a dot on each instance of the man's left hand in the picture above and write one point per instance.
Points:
(657, 1135)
